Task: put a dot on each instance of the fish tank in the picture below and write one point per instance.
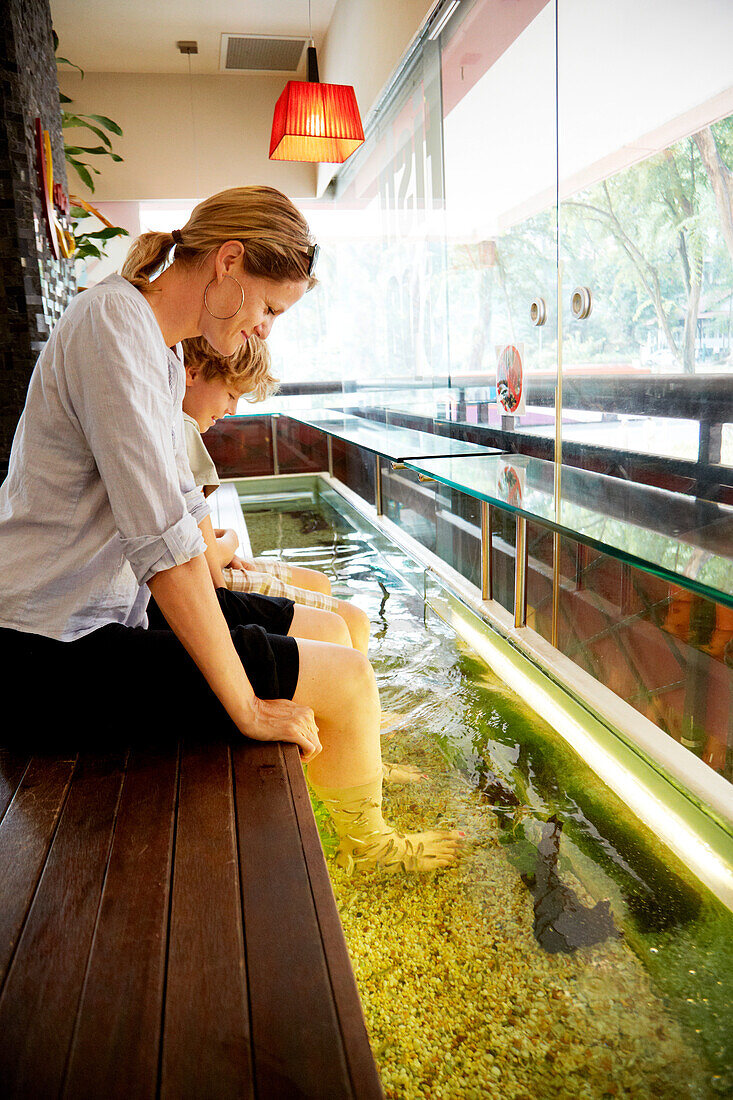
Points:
(567, 952)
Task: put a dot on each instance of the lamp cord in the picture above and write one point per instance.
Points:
(193, 129)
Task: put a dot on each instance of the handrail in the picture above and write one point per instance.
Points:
(685, 540)
(389, 441)
(707, 397)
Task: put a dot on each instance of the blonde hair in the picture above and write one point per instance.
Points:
(274, 233)
(248, 370)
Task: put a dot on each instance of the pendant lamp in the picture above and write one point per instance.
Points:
(316, 122)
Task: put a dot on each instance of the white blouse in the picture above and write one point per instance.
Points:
(99, 494)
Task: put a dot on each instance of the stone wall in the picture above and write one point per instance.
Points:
(34, 286)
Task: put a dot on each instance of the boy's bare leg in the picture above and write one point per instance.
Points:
(357, 622)
(311, 579)
(314, 624)
(397, 775)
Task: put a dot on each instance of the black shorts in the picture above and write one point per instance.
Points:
(139, 684)
(273, 613)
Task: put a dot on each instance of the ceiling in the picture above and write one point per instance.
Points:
(139, 36)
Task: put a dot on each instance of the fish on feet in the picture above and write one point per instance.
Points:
(398, 775)
(394, 851)
(366, 840)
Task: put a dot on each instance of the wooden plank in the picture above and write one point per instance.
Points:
(26, 832)
(295, 1032)
(228, 512)
(115, 1047)
(12, 769)
(206, 1035)
(38, 1003)
(360, 1060)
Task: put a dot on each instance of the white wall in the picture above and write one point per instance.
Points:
(363, 46)
(177, 150)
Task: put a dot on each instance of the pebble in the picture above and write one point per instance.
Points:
(461, 1001)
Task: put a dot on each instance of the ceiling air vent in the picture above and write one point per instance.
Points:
(259, 53)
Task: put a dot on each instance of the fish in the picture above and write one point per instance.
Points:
(562, 923)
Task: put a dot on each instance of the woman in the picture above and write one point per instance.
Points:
(99, 510)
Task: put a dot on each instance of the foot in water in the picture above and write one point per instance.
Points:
(394, 851)
(397, 775)
(366, 840)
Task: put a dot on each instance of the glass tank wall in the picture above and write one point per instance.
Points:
(533, 251)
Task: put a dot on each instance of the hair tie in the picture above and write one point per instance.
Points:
(177, 236)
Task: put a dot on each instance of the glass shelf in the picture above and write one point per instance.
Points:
(391, 442)
(682, 539)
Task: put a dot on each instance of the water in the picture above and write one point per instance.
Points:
(568, 953)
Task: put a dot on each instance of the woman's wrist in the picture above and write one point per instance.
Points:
(245, 713)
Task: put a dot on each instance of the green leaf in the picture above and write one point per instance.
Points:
(72, 122)
(84, 251)
(77, 150)
(107, 123)
(65, 98)
(65, 61)
(107, 233)
(79, 212)
(82, 171)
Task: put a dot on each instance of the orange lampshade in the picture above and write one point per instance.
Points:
(316, 122)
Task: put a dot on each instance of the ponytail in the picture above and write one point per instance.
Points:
(146, 255)
(276, 239)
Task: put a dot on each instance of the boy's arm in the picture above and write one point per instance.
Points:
(213, 553)
(227, 543)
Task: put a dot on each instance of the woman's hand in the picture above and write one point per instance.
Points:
(283, 720)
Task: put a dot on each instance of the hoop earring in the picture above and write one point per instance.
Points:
(229, 315)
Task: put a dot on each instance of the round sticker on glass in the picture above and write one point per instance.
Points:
(510, 380)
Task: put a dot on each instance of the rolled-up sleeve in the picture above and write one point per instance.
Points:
(116, 376)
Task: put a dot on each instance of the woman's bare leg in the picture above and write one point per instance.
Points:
(340, 686)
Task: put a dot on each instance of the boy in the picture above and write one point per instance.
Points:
(214, 385)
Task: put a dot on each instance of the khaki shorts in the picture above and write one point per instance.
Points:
(272, 578)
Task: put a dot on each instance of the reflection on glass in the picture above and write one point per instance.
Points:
(498, 65)
(668, 533)
(667, 651)
(645, 159)
(389, 440)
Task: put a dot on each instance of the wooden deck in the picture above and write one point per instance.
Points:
(167, 928)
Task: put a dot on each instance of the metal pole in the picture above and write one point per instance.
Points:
(520, 574)
(273, 431)
(329, 445)
(378, 485)
(556, 546)
(555, 587)
(486, 576)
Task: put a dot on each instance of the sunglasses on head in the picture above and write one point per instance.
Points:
(312, 254)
